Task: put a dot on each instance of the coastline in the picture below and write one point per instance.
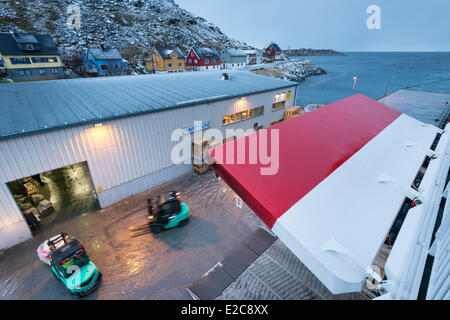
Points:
(294, 70)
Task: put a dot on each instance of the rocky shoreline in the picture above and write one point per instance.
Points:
(294, 70)
(311, 52)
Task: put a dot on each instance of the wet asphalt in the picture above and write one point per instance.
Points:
(147, 267)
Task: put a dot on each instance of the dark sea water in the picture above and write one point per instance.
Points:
(379, 73)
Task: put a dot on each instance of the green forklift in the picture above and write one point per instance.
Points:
(71, 265)
(169, 213)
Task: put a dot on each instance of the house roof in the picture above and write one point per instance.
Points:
(27, 108)
(9, 45)
(343, 173)
(106, 54)
(235, 52)
(206, 53)
(25, 38)
(165, 52)
(251, 52)
(275, 46)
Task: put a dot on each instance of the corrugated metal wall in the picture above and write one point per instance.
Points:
(439, 285)
(118, 152)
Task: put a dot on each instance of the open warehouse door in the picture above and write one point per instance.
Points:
(51, 198)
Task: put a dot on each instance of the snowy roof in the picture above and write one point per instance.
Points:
(25, 38)
(275, 46)
(9, 45)
(106, 54)
(344, 171)
(31, 107)
(235, 52)
(206, 53)
(165, 51)
(251, 51)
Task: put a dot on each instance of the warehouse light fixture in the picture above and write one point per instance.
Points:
(98, 125)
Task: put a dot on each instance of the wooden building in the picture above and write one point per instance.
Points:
(273, 52)
(27, 56)
(105, 62)
(203, 59)
(166, 59)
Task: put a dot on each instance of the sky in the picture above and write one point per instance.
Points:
(406, 25)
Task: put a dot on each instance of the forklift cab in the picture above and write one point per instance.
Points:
(168, 207)
(69, 258)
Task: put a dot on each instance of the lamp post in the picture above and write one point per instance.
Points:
(355, 79)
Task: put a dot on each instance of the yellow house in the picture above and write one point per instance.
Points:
(166, 59)
(27, 56)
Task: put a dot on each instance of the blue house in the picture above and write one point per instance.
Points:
(105, 62)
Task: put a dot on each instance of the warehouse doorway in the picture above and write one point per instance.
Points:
(54, 197)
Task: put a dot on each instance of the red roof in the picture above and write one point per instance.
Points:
(311, 147)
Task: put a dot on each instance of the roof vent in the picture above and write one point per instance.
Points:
(225, 76)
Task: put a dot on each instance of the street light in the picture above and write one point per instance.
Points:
(355, 79)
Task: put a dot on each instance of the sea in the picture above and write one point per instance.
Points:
(376, 74)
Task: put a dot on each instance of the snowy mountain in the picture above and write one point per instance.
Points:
(130, 25)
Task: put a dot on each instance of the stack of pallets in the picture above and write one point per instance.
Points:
(292, 112)
(199, 151)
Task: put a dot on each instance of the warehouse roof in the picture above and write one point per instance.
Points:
(32, 107)
(343, 172)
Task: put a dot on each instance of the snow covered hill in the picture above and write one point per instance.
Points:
(130, 25)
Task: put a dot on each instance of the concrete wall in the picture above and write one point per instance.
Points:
(125, 156)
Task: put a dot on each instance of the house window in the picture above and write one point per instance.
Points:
(42, 72)
(190, 60)
(241, 116)
(20, 60)
(104, 67)
(54, 70)
(180, 64)
(192, 54)
(213, 61)
(116, 66)
(25, 72)
(206, 67)
(169, 65)
(44, 59)
(278, 105)
(195, 61)
(206, 61)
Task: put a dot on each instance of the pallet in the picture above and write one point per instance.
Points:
(201, 168)
(292, 112)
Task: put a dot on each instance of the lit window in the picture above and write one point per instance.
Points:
(278, 105)
(243, 115)
(195, 61)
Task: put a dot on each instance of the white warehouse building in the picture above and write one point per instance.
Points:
(120, 128)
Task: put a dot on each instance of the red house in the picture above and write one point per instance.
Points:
(273, 52)
(201, 59)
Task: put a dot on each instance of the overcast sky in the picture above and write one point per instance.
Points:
(414, 25)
